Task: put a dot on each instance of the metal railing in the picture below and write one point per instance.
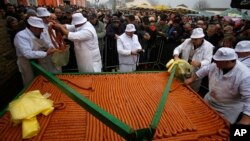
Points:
(152, 55)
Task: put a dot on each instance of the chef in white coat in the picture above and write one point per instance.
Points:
(243, 50)
(128, 48)
(31, 43)
(46, 62)
(85, 39)
(197, 51)
(229, 81)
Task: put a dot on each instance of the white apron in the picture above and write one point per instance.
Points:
(46, 62)
(25, 69)
(221, 100)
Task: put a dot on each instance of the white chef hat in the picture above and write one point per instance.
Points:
(35, 22)
(243, 46)
(42, 12)
(130, 28)
(77, 18)
(197, 33)
(31, 12)
(225, 54)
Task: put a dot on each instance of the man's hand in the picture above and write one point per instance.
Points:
(61, 28)
(196, 63)
(146, 36)
(245, 120)
(57, 26)
(134, 52)
(191, 79)
(188, 81)
(116, 36)
(51, 51)
(140, 51)
(176, 57)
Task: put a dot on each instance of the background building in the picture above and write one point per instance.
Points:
(47, 2)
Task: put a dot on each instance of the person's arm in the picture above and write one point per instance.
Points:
(136, 42)
(207, 56)
(122, 51)
(22, 45)
(64, 28)
(142, 33)
(202, 72)
(103, 30)
(191, 79)
(244, 90)
(245, 120)
(196, 63)
(178, 50)
(81, 35)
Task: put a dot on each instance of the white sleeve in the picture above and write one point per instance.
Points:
(70, 28)
(204, 71)
(207, 56)
(136, 42)
(81, 35)
(178, 49)
(120, 48)
(244, 90)
(23, 46)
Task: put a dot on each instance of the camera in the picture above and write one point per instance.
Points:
(140, 51)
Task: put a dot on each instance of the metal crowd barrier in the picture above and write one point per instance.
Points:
(155, 54)
(152, 55)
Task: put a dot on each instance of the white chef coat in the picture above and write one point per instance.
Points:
(125, 45)
(204, 53)
(29, 47)
(87, 50)
(229, 94)
(245, 60)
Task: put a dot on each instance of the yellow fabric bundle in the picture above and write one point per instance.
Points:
(183, 68)
(26, 107)
(30, 128)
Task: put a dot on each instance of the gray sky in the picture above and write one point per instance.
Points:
(189, 3)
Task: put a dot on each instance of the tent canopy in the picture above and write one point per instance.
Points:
(202, 14)
(161, 7)
(144, 4)
(185, 10)
(235, 13)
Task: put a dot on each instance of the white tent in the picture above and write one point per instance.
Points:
(139, 4)
(183, 9)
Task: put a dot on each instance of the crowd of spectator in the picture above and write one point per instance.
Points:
(155, 30)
